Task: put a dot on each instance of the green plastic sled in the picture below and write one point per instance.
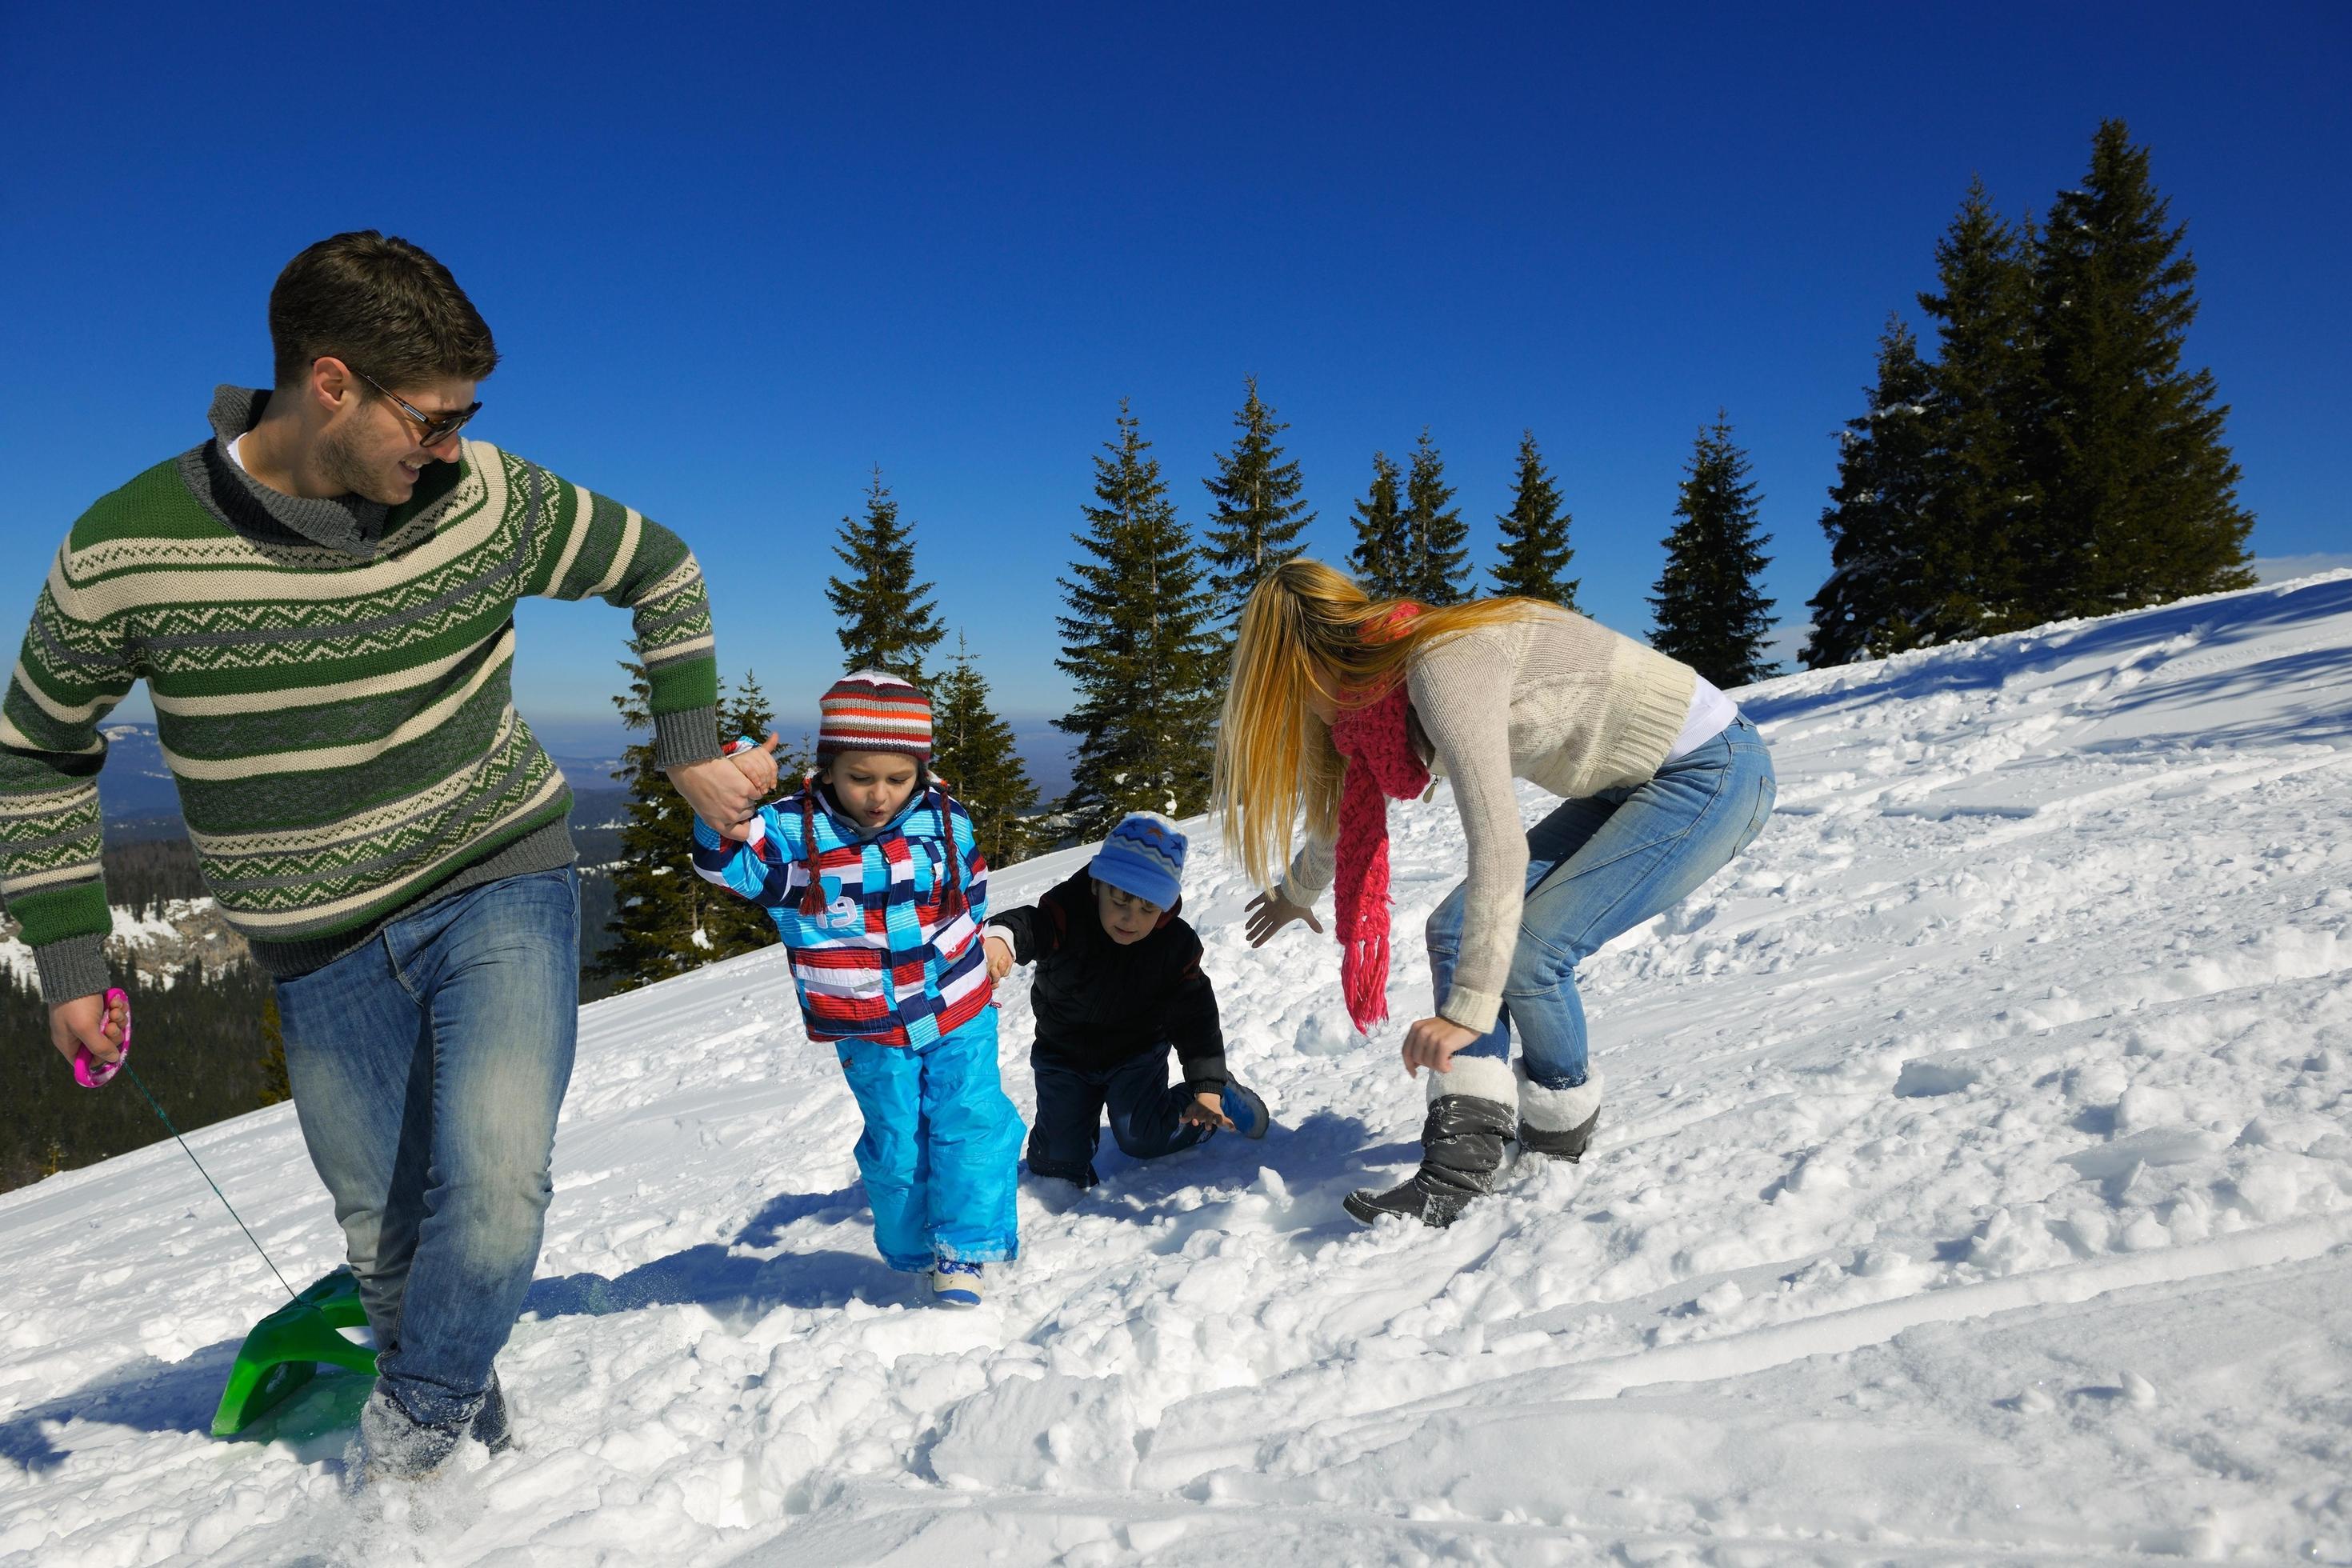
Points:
(284, 1350)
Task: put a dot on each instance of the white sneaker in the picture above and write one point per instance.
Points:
(955, 1283)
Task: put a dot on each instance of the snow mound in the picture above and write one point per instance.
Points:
(1976, 1184)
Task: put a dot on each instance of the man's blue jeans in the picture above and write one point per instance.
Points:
(1597, 868)
(427, 1068)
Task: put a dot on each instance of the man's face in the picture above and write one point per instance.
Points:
(871, 785)
(1124, 917)
(370, 446)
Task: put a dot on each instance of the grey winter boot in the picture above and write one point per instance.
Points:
(1558, 1123)
(395, 1446)
(1470, 1115)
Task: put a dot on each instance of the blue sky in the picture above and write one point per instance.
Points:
(737, 256)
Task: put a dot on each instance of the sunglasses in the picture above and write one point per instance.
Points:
(432, 430)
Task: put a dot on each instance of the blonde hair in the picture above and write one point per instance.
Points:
(1310, 629)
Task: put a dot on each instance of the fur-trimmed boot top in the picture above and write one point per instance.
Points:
(1472, 1108)
(1558, 1122)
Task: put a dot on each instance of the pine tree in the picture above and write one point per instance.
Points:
(1535, 535)
(1378, 559)
(1711, 615)
(665, 917)
(736, 925)
(888, 619)
(975, 752)
(1258, 514)
(1876, 520)
(2140, 490)
(1136, 642)
(750, 714)
(275, 1085)
(1437, 540)
(1981, 512)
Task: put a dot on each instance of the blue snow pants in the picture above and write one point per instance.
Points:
(941, 1149)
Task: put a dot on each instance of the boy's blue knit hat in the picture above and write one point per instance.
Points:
(1144, 855)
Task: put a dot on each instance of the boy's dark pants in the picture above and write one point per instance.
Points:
(1144, 1106)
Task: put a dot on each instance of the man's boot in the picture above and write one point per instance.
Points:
(493, 1426)
(395, 1446)
(1558, 1123)
(1471, 1112)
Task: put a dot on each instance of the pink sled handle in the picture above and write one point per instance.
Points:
(88, 1071)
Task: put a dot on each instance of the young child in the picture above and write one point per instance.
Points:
(877, 887)
(1120, 982)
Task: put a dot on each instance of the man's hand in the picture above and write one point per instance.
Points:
(1000, 957)
(88, 1023)
(1431, 1042)
(721, 792)
(1270, 912)
(759, 763)
(1207, 1110)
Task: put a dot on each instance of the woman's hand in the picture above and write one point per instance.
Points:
(999, 956)
(1431, 1042)
(1270, 912)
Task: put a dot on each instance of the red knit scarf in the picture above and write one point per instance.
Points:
(1382, 765)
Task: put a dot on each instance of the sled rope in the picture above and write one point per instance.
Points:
(141, 1085)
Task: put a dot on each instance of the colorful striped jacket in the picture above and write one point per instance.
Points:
(887, 948)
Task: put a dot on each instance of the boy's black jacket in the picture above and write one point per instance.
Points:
(1098, 1003)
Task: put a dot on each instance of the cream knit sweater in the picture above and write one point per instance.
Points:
(1588, 710)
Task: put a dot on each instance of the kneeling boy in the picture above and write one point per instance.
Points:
(1119, 982)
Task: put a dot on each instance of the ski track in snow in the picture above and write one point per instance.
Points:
(1974, 1185)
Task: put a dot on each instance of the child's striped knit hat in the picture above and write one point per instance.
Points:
(873, 710)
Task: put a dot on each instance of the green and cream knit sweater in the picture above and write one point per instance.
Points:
(331, 681)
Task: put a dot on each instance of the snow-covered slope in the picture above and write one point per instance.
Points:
(1974, 1185)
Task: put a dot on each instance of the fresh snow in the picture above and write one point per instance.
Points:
(1975, 1184)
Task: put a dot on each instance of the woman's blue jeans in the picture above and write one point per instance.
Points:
(427, 1068)
(1597, 868)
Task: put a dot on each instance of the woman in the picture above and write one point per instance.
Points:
(1339, 703)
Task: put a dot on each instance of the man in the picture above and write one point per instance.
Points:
(320, 598)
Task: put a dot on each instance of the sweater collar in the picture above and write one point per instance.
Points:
(348, 525)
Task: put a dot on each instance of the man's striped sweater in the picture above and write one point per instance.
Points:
(332, 688)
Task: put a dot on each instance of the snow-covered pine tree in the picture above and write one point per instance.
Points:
(1877, 519)
(1437, 540)
(2138, 485)
(1137, 643)
(973, 750)
(888, 621)
(664, 919)
(1378, 559)
(1535, 535)
(1711, 614)
(1257, 512)
(1981, 512)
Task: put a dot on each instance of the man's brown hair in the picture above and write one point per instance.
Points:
(381, 305)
